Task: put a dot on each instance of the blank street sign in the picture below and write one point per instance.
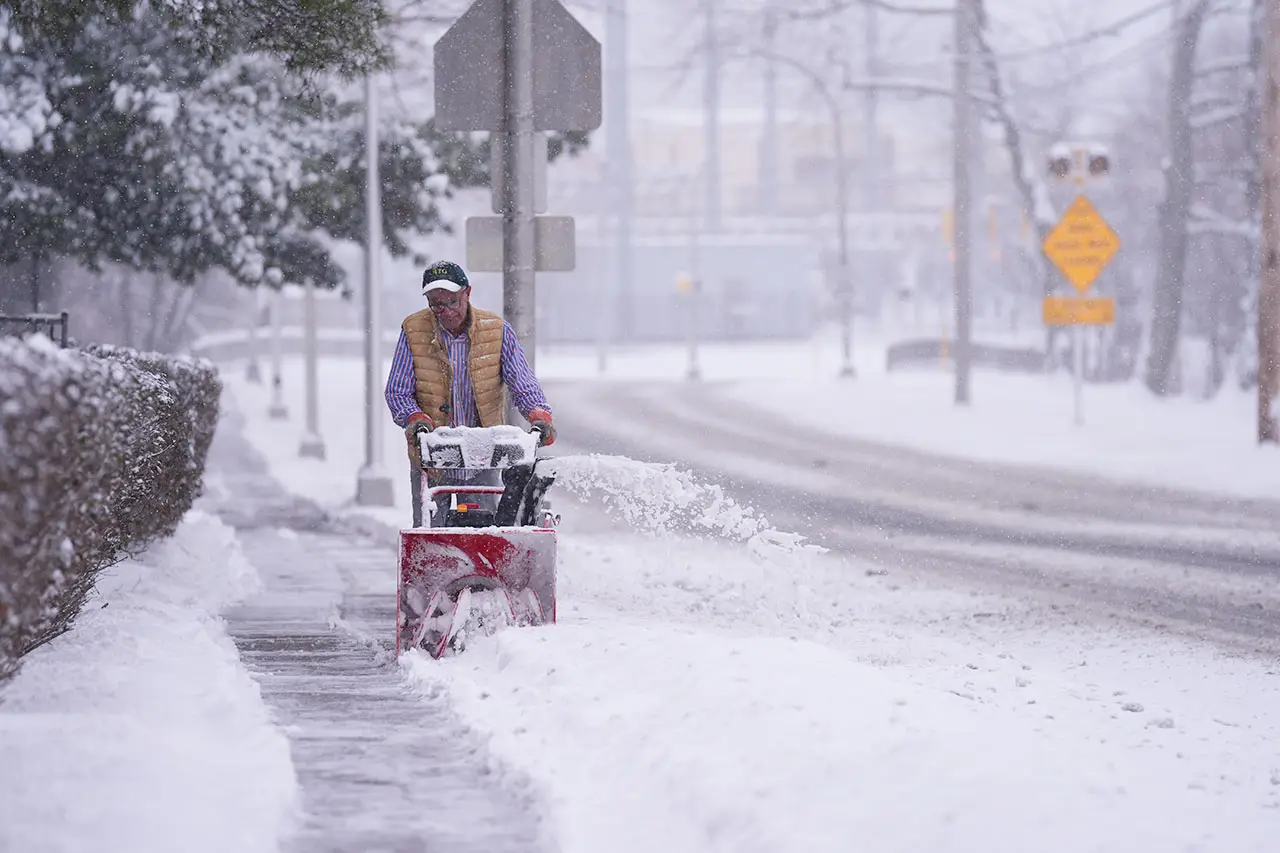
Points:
(469, 63)
(554, 240)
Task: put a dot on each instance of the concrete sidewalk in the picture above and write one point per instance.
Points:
(381, 769)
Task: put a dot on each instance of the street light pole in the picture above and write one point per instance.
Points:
(769, 139)
(277, 410)
(962, 126)
(711, 113)
(693, 373)
(373, 486)
(253, 371)
(845, 281)
(1269, 268)
(312, 445)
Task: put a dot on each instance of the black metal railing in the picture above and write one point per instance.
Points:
(54, 325)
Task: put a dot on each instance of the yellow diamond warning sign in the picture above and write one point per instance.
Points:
(1081, 244)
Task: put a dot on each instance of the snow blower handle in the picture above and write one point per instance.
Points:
(476, 448)
(540, 422)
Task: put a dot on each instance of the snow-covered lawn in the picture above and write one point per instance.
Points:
(140, 730)
(734, 691)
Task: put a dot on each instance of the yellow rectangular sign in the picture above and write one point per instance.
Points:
(1073, 311)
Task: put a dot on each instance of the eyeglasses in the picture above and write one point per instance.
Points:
(439, 305)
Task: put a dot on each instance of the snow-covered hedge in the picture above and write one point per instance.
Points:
(102, 450)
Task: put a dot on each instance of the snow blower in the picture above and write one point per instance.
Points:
(485, 555)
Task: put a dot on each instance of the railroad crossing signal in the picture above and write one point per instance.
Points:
(1081, 244)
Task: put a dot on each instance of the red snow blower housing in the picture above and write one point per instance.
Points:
(485, 556)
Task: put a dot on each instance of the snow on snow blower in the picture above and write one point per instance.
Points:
(485, 557)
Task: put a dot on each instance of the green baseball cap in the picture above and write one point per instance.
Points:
(444, 275)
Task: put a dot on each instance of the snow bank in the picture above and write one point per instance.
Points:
(644, 738)
(140, 730)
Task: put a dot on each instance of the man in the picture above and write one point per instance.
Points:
(454, 365)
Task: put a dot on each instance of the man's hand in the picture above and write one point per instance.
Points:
(540, 419)
(418, 422)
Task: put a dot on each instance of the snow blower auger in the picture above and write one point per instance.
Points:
(485, 557)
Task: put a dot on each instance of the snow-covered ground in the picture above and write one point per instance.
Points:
(139, 730)
(732, 690)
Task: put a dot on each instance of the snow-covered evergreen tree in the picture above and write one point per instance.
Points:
(130, 144)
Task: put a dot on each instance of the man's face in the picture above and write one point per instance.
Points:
(450, 308)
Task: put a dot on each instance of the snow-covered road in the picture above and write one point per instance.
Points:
(1203, 565)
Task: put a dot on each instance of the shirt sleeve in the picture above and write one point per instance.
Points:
(399, 393)
(526, 393)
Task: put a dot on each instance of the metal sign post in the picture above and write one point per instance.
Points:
(550, 79)
(312, 445)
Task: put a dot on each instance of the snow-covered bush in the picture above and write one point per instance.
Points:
(101, 452)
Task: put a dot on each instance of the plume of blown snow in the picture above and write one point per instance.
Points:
(660, 498)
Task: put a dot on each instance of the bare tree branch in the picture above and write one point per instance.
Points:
(1034, 198)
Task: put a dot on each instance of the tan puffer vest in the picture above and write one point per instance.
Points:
(433, 375)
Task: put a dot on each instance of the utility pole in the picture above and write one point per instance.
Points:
(869, 163)
(519, 299)
(769, 139)
(711, 107)
(312, 445)
(619, 147)
(870, 104)
(1269, 274)
(373, 486)
(962, 127)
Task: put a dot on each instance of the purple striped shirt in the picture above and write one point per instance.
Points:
(525, 391)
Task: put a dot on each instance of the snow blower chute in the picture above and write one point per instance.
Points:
(485, 555)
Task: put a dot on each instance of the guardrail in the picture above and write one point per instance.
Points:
(55, 325)
(941, 352)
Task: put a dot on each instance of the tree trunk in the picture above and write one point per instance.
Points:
(179, 314)
(1166, 308)
(124, 286)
